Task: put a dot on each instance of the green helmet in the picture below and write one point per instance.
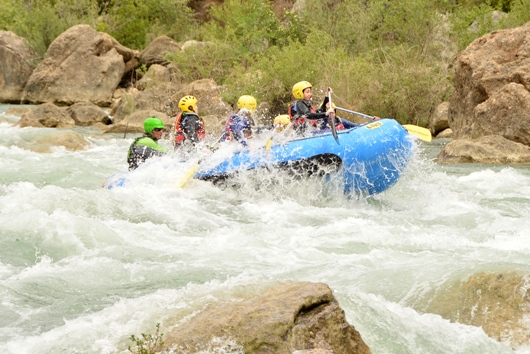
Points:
(152, 123)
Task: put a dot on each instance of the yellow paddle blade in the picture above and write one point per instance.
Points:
(188, 175)
(268, 145)
(418, 132)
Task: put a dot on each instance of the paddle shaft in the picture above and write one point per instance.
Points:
(418, 132)
(356, 113)
(332, 119)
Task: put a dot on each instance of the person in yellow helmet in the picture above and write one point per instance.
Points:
(239, 125)
(146, 146)
(280, 122)
(302, 113)
(188, 125)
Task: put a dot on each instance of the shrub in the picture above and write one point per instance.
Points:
(148, 343)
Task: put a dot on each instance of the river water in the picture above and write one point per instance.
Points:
(82, 267)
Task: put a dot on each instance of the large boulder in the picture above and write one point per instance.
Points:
(439, 121)
(47, 115)
(134, 123)
(81, 65)
(87, 113)
(287, 318)
(491, 149)
(155, 52)
(491, 87)
(16, 57)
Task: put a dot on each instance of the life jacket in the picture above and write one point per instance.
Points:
(338, 124)
(241, 123)
(180, 135)
(137, 154)
(227, 131)
(300, 121)
(134, 159)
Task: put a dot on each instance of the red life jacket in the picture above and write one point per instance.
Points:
(313, 122)
(180, 135)
(338, 124)
(301, 120)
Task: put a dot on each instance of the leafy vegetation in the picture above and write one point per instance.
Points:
(383, 57)
(148, 343)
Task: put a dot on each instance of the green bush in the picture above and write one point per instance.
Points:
(212, 60)
(250, 25)
(134, 23)
(40, 22)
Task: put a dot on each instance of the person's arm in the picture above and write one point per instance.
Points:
(303, 110)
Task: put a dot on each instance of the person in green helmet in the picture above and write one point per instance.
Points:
(146, 146)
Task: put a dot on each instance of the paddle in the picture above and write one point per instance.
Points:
(414, 130)
(188, 175)
(332, 119)
(195, 167)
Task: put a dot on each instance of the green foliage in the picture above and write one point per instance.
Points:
(127, 21)
(134, 23)
(148, 343)
(408, 88)
(7, 12)
(40, 22)
(205, 60)
(272, 76)
(250, 25)
(471, 23)
(519, 14)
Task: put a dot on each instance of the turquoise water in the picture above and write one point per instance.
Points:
(82, 268)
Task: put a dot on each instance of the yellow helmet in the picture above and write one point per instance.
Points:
(298, 89)
(186, 103)
(247, 102)
(281, 121)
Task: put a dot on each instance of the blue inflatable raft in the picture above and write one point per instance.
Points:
(366, 160)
